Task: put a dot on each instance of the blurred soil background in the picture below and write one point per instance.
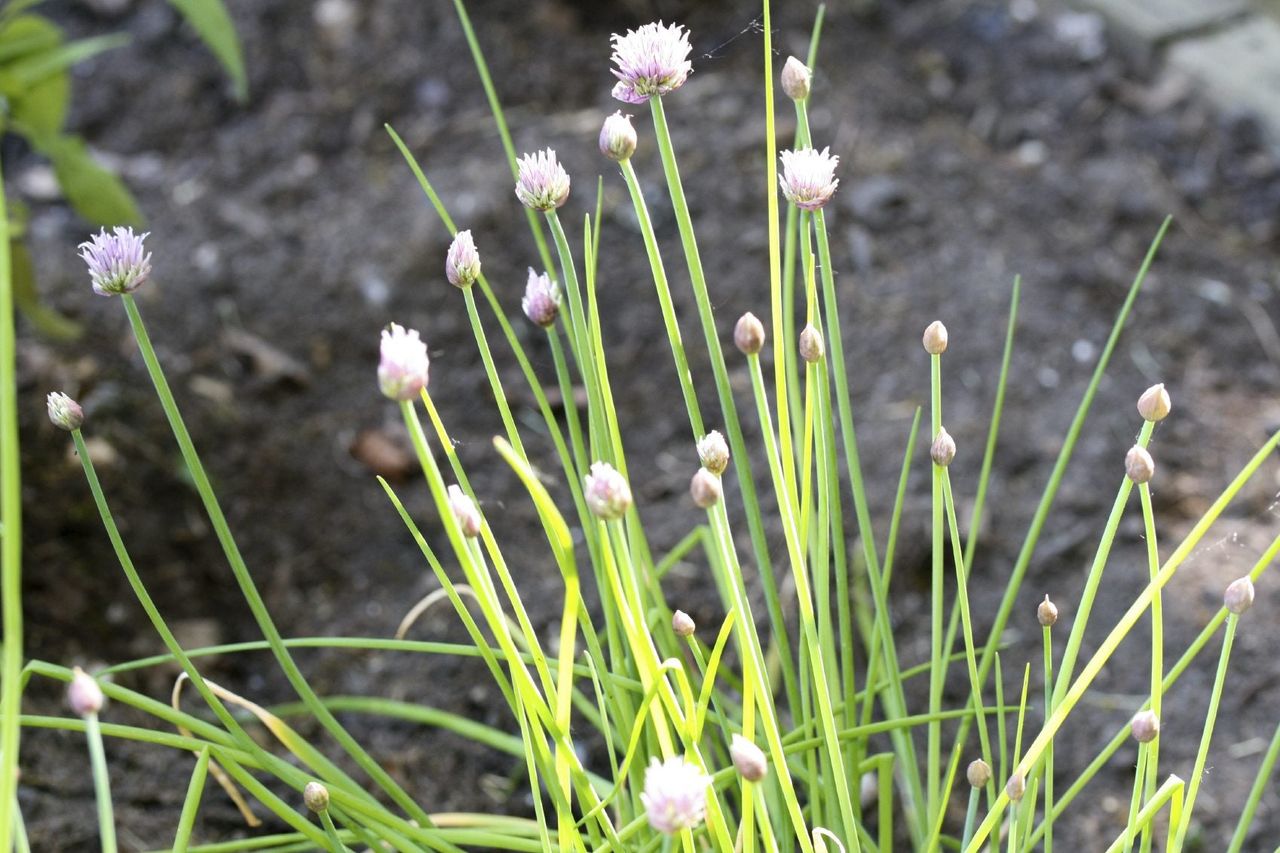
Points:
(979, 140)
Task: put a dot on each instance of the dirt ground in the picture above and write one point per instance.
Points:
(977, 143)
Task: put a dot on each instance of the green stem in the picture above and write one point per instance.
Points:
(245, 579)
(11, 542)
(101, 784)
(1157, 655)
(1260, 783)
(191, 804)
(937, 674)
(331, 832)
(1048, 751)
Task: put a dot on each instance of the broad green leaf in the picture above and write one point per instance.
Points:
(26, 297)
(36, 67)
(213, 24)
(41, 109)
(25, 35)
(95, 193)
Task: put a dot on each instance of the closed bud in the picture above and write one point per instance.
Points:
(1016, 787)
(84, 696)
(705, 489)
(682, 623)
(1239, 595)
(979, 773)
(65, 412)
(316, 796)
(541, 302)
(748, 759)
(713, 452)
(466, 511)
(462, 263)
(1138, 464)
(1145, 726)
(1047, 613)
(935, 338)
(943, 449)
(607, 493)
(748, 335)
(1154, 404)
(618, 137)
(812, 347)
(797, 79)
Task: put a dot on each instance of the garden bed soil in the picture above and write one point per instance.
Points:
(977, 143)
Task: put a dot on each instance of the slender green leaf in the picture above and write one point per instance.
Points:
(213, 24)
(96, 194)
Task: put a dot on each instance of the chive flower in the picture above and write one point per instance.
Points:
(618, 137)
(84, 696)
(1239, 595)
(812, 347)
(607, 493)
(943, 449)
(1145, 726)
(1138, 464)
(1047, 613)
(541, 302)
(675, 795)
(713, 452)
(462, 263)
(316, 797)
(978, 773)
(118, 262)
(1154, 404)
(64, 411)
(402, 369)
(808, 177)
(542, 183)
(652, 60)
(682, 624)
(748, 334)
(465, 510)
(935, 338)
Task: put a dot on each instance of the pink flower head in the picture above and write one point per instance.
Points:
(808, 177)
(64, 411)
(652, 60)
(607, 492)
(84, 696)
(402, 370)
(462, 264)
(118, 262)
(618, 137)
(466, 511)
(542, 184)
(675, 795)
(541, 301)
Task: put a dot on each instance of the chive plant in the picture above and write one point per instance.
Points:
(782, 729)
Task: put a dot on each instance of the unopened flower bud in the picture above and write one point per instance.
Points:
(935, 338)
(618, 137)
(979, 773)
(1016, 787)
(1239, 595)
(84, 696)
(541, 301)
(607, 492)
(748, 759)
(796, 79)
(812, 347)
(713, 452)
(1138, 464)
(1047, 613)
(943, 449)
(542, 183)
(316, 796)
(1154, 404)
(466, 511)
(1145, 726)
(462, 263)
(65, 412)
(748, 335)
(682, 624)
(705, 489)
(403, 368)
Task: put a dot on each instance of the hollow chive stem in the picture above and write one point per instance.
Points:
(101, 784)
(937, 671)
(1210, 719)
(1255, 794)
(191, 804)
(10, 545)
(245, 580)
(1157, 657)
(1048, 750)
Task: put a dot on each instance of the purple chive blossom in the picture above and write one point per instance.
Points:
(543, 184)
(618, 137)
(675, 795)
(402, 370)
(541, 301)
(64, 411)
(462, 264)
(466, 511)
(652, 60)
(118, 262)
(84, 696)
(607, 492)
(808, 177)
